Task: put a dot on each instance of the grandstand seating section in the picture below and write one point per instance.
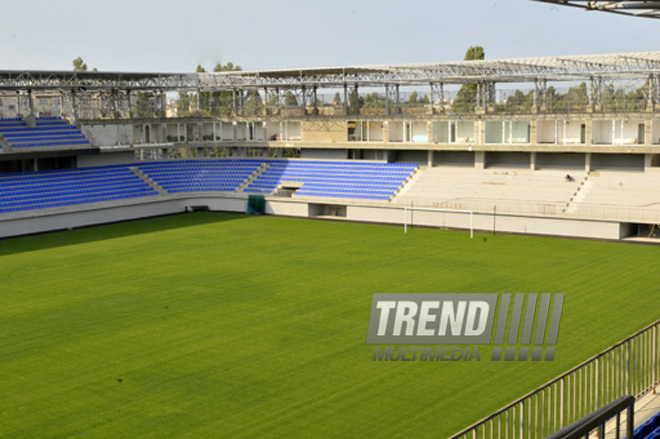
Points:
(200, 175)
(48, 132)
(649, 429)
(38, 190)
(335, 179)
(621, 188)
(464, 184)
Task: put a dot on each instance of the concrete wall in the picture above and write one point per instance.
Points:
(113, 158)
(326, 154)
(486, 222)
(324, 131)
(503, 223)
(109, 135)
(69, 218)
(549, 160)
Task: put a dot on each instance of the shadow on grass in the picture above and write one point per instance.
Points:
(121, 229)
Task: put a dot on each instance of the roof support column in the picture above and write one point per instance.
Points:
(163, 104)
(304, 100)
(652, 86)
(535, 103)
(345, 98)
(113, 103)
(597, 94)
(128, 104)
(480, 107)
(74, 106)
(387, 99)
(315, 101)
(265, 108)
(544, 88)
(437, 96)
(491, 100)
(30, 103)
(233, 102)
(277, 100)
(590, 95)
(241, 102)
(397, 101)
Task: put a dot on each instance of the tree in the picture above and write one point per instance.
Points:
(337, 99)
(355, 101)
(79, 65)
(466, 97)
(290, 99)
(374, 100)
(253, 102)
(145, 104)
(413, 99)
(183, 104)
(221, 101)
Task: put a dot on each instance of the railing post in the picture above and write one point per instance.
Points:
(629, 421)
(561, 404)
(656, 348)
(597, 382)
(628, 368)
(522, 419)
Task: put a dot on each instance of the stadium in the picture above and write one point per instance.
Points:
(197, 254)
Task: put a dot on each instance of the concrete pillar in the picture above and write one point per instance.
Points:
(429, 160)
(386, 132)
(587, 162)
(480, 160)
(429, 131)
(648, 132)
(532, 132)
(532, 161)
(647, 161)
(30, 103)
(588, 138)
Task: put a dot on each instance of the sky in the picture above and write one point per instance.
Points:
(169, 36)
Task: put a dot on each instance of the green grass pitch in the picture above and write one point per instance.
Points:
(218, 325)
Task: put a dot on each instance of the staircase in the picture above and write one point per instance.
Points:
(158, 188)
(4, 145)
(405, 187)
(579, 194)
(252, 177)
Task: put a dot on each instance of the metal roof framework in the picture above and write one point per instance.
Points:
(638, 65)
(608, 67)
(636, 8)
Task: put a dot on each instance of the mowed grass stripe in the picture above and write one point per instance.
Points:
(218, 325)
